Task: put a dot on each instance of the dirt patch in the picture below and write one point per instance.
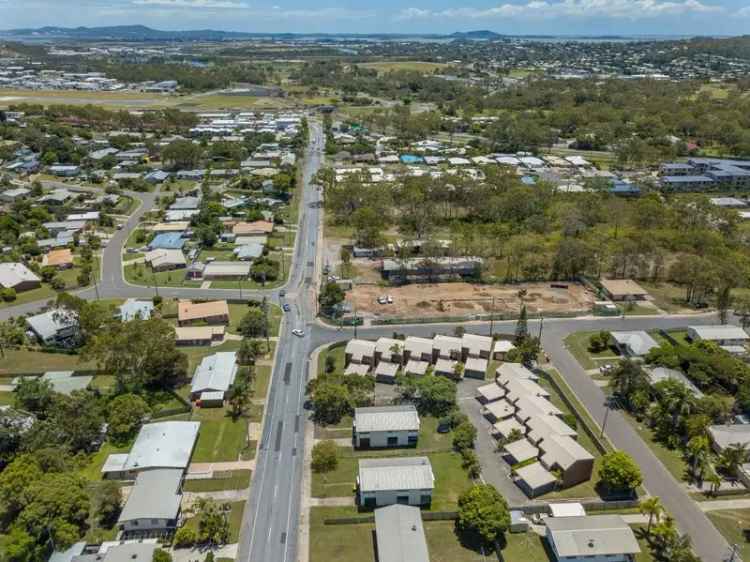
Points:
(460, 299)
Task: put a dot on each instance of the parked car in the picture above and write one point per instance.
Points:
(286, 307)
(606, 369)
(389, 299)
(299, 333)
(382, 300)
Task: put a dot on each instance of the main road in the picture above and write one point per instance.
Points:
(271, 518)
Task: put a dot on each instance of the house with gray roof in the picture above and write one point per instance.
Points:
(142, 551)
(722, 436)
(216, 373)
(153, 503)
(18, 277)
(132, 309)
(731, 338)
(634, 344)
(400, 535)
(55, 326)
(167, 444)
(386, 426)
(591, 537)
(398, 480)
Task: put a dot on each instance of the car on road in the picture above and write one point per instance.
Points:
(282, 293)
(286, 307)
(299, 333)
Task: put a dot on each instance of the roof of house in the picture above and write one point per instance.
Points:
(400, 534)
(591, 535)
(357, 369)
(166, 444)
(562, 451)
(167, 241)
(256, 227)
(132, 309)
(447, 344)
(542, 427)
(188, 310)
(249, 251)
(69, 554)
(386, 345)
(506, 427)
(622, 287)
(418, 346)
(503, 346)
(226, 269)
(193, 333)
(501, 409)
(476, 364)
(398, 473)
(47, 324)
(476, 344)
(447, 366)
(659, 374)
(386, 368)
(64, 382)
(13, 274)
(719, 332)
(154, 496)
(535, 476)
(126, 552)
(529, 406)
(386, 418)
(55, 258)
(491, 392)
(165, 257)
(638, 342)
(416, 367)
(514, 370)
(522, 450)
(215, 372)
(360, 348)
(726, 435)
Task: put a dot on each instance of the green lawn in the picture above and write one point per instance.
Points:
(6, 398)
(341, 429)
(666, 296)
(734, 525)
(42, 293)
(350, 543)
(231, 480)
(337, 483)
(140, 274)
(17, 361)
(220, 438)
(196, 354)
(235, 521)
(526, 547)
(578, 345)
(672, 459)
(92, 469)
(262, 380)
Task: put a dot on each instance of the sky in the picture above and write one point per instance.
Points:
(513, 17)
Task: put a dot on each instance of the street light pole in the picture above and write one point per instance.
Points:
(492, 318)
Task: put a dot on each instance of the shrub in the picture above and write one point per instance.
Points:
(464, 436)
(185, 537)
(325, 456)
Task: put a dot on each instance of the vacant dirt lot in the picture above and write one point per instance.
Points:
(457, 299)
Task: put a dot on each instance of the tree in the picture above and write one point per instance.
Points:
(182, 154)
(464, 436)
(731, 458)
(697, 450)
(432, 395)
(209, 556)
(239, 396)
(213, 524)
(127, 413)
(522, 326)
(331, 402)
(249, 351)
(619, 471)
(483, 512)
(34, 395)
(627, 379)
(161, 555)
(331, 295)
(185, 537)
(653, 508)
(15, 481)
(599, 342)
(253, 324)
(325, 456)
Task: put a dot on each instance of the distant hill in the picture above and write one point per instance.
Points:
(480, 35)
(126, 33)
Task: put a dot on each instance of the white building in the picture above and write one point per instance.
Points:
(402, 480)
(386, 426)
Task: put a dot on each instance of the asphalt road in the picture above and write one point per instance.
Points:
(269, 527)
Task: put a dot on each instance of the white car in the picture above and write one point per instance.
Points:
(389, 299)
(299, 333)
(382, 300)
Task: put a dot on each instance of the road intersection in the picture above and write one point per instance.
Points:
(271, 519)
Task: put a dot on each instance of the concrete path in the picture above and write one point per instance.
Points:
(341, 442)
(220, 496)
(202, 467)
(199, 554)
(715, 505)
(347, 501)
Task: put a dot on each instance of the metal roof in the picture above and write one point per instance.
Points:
(638, 342)
(390, 474)
(597, 535)
(719, 332)
(47, 324)
(215, 372)
(400, 534)
(13, 274)
(64, 382)
(132, 309)
(154, 496)
(163, 445)
(535, 476)
(386, 418)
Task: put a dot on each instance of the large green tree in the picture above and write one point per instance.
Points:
(483, 512)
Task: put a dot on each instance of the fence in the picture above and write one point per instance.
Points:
(497, 317)
(370, 518)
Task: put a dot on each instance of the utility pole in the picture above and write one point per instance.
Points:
(355, 319)
(733, 556)
(96, 285)
(156, 284)
(492, 318)
(240, 283)
(541, 326)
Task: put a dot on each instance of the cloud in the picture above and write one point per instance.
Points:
(192, 4)
(744, 12)
(616, 9)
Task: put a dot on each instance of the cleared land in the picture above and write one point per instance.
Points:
(413, 66)
(460, 299)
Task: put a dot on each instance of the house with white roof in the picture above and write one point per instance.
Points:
(731, 338)
(397, 480)
(153, 504)
(18, 277)
(385, 426)
(216, 373)
(591, 538)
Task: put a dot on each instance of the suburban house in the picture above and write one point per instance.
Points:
(159, 445)
(418, 349)
(475, 367)
(226, 270)
(141, 551)
(400, 535)
(476, 346)
(389, 349)
(722, 436)
(623, 290)
(501, 349)
(213, 312)
(165, 260)
(199, 335)
(18, 277)
(59, 259)
(563, 453)
(535, 480)
(257, 228)
(730, 338)
(659, 374)
(591, 537)
(153, 503)
(386, 372)
(447, 347)
(132, 309)
(385, 426)
(398, 480)
(633, 344)
(216, 373)
(55, 326)
(432, 269)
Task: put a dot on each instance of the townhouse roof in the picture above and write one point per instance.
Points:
(563, 451)
(359, 349)
(398, 473)
(542, 427)
(384, 345)
(591, 535)
(403, 417)
(501, 409)
(535, 476)
(447, 344)
(418, 346)
(491, 392)
(507, 371)
(522, 450)
(503, 346)
(726, 435)
(719, 332)
(154, 496)
(476, 344)
(506, 427)
(416, 367)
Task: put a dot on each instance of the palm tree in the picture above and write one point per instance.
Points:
(654, 509)
(697, 451)
(665, 535)
(715, 480)
(732, 457)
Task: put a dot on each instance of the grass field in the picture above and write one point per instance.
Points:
(140, 274)
(92, 469)
(734, 525)
(220, 438)
(18, 361)
(412, 66)
(578, 345)
(235, 521)
(233, 480)
(672, 459)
